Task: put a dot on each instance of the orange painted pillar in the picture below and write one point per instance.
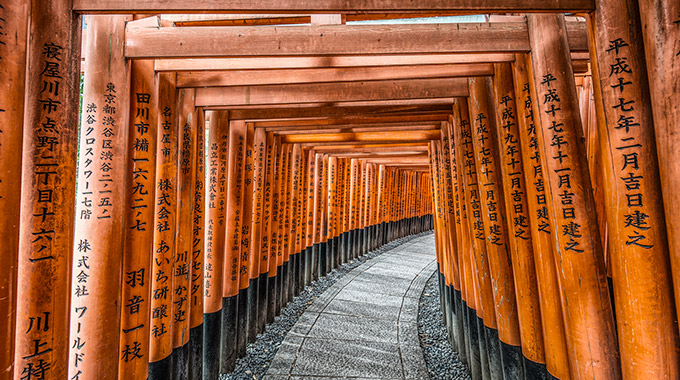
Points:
(588, 312)
(181, 271)
(285, 223)
(495, 228)
(139, 220)
(320, 197)
(247, 287)
(310, 253)
(14, 24)
(48, 188)
(259, 264)
(332, 212)
(268, 263)
(316, 211)
(294, 220)
(485, 314)
(230, 287)
(640, 261)
(215, 234)
(661, 33)
(164, 225)
(273, 240)
(96, 278)
(517, 213)
(196, 292)
(542, 229)
(278, 207)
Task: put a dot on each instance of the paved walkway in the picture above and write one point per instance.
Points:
(365, 325)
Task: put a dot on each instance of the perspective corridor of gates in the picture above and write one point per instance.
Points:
(226, 154)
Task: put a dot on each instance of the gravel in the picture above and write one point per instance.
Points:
(260, 354)
(441, 359)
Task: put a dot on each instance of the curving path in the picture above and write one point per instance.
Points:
(364, 326)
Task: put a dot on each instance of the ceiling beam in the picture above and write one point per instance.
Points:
(425, 135)
(303, 131)
(329, 40)
(330, 6)
(353, 120)
(327, 111)
(350, 127)
(325, 75)
(331, 92)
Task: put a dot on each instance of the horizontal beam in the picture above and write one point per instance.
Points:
(350, 127)
(330, 40)
(330, 6)
(326, 111)
(420, 149)
(306, 131)
(331, 92)
(384, 147)
(432, 134)
(354, 120)
(325, 75)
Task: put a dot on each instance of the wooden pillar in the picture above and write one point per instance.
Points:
(260, 263)
(280, 218)
(332, 209)
(247, 287)
(196, 291)
(485, 310)
(285, 222)
(48, 189)
(293, 218)
(181, 266)
(495, 227)
(309, 217)
(96, 277)
(14, 23)
(517, 213)
(589, 318)
(542, 228)
(642, 281)
(316, 211)
(230, 285)
(661, 34)
(139, 220)
(161, 323)
(215, 235)
(270, 228)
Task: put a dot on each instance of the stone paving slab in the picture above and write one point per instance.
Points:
(365, 325)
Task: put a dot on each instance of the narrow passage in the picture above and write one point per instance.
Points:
(364, 326)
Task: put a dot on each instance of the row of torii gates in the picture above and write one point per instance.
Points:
(223, 161)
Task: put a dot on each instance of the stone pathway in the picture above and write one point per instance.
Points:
(364, 326)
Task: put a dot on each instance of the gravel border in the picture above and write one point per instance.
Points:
(441, 359)
(259, 355)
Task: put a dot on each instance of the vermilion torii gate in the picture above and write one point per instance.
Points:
(223, 161)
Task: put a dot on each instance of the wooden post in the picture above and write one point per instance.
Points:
(517, 213)
(309, 223)
(661, 33)
(196, 292)
(165, 211)
(542, 229)
(293, 217)
(181, 266)
(494, 218)
(281, 218)
(14, 23)
(316, 214)
(589, 318)
(260, 256)
(96, 278)
(247, 283)
(139, 219)
(332, 210)
(270, 228)
(215, 235)
(285, 223)
(642, 281)
(48, 190)
(230, 285)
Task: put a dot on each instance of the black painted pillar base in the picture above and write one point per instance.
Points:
(161, 369)
(460, 327)
(278, 297)
(272, 293)
(315, 261)
(494, 353)
(538, 371)
(212, 331)
(242, 322)
(262, 304)
(196, 353)
(294, 261)
(512, 361)
(285, 286)
(180, 362)
(252, 310)
(484, 349)
(323, 252)
(475, 359)
(309, 259)
(228, 346)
